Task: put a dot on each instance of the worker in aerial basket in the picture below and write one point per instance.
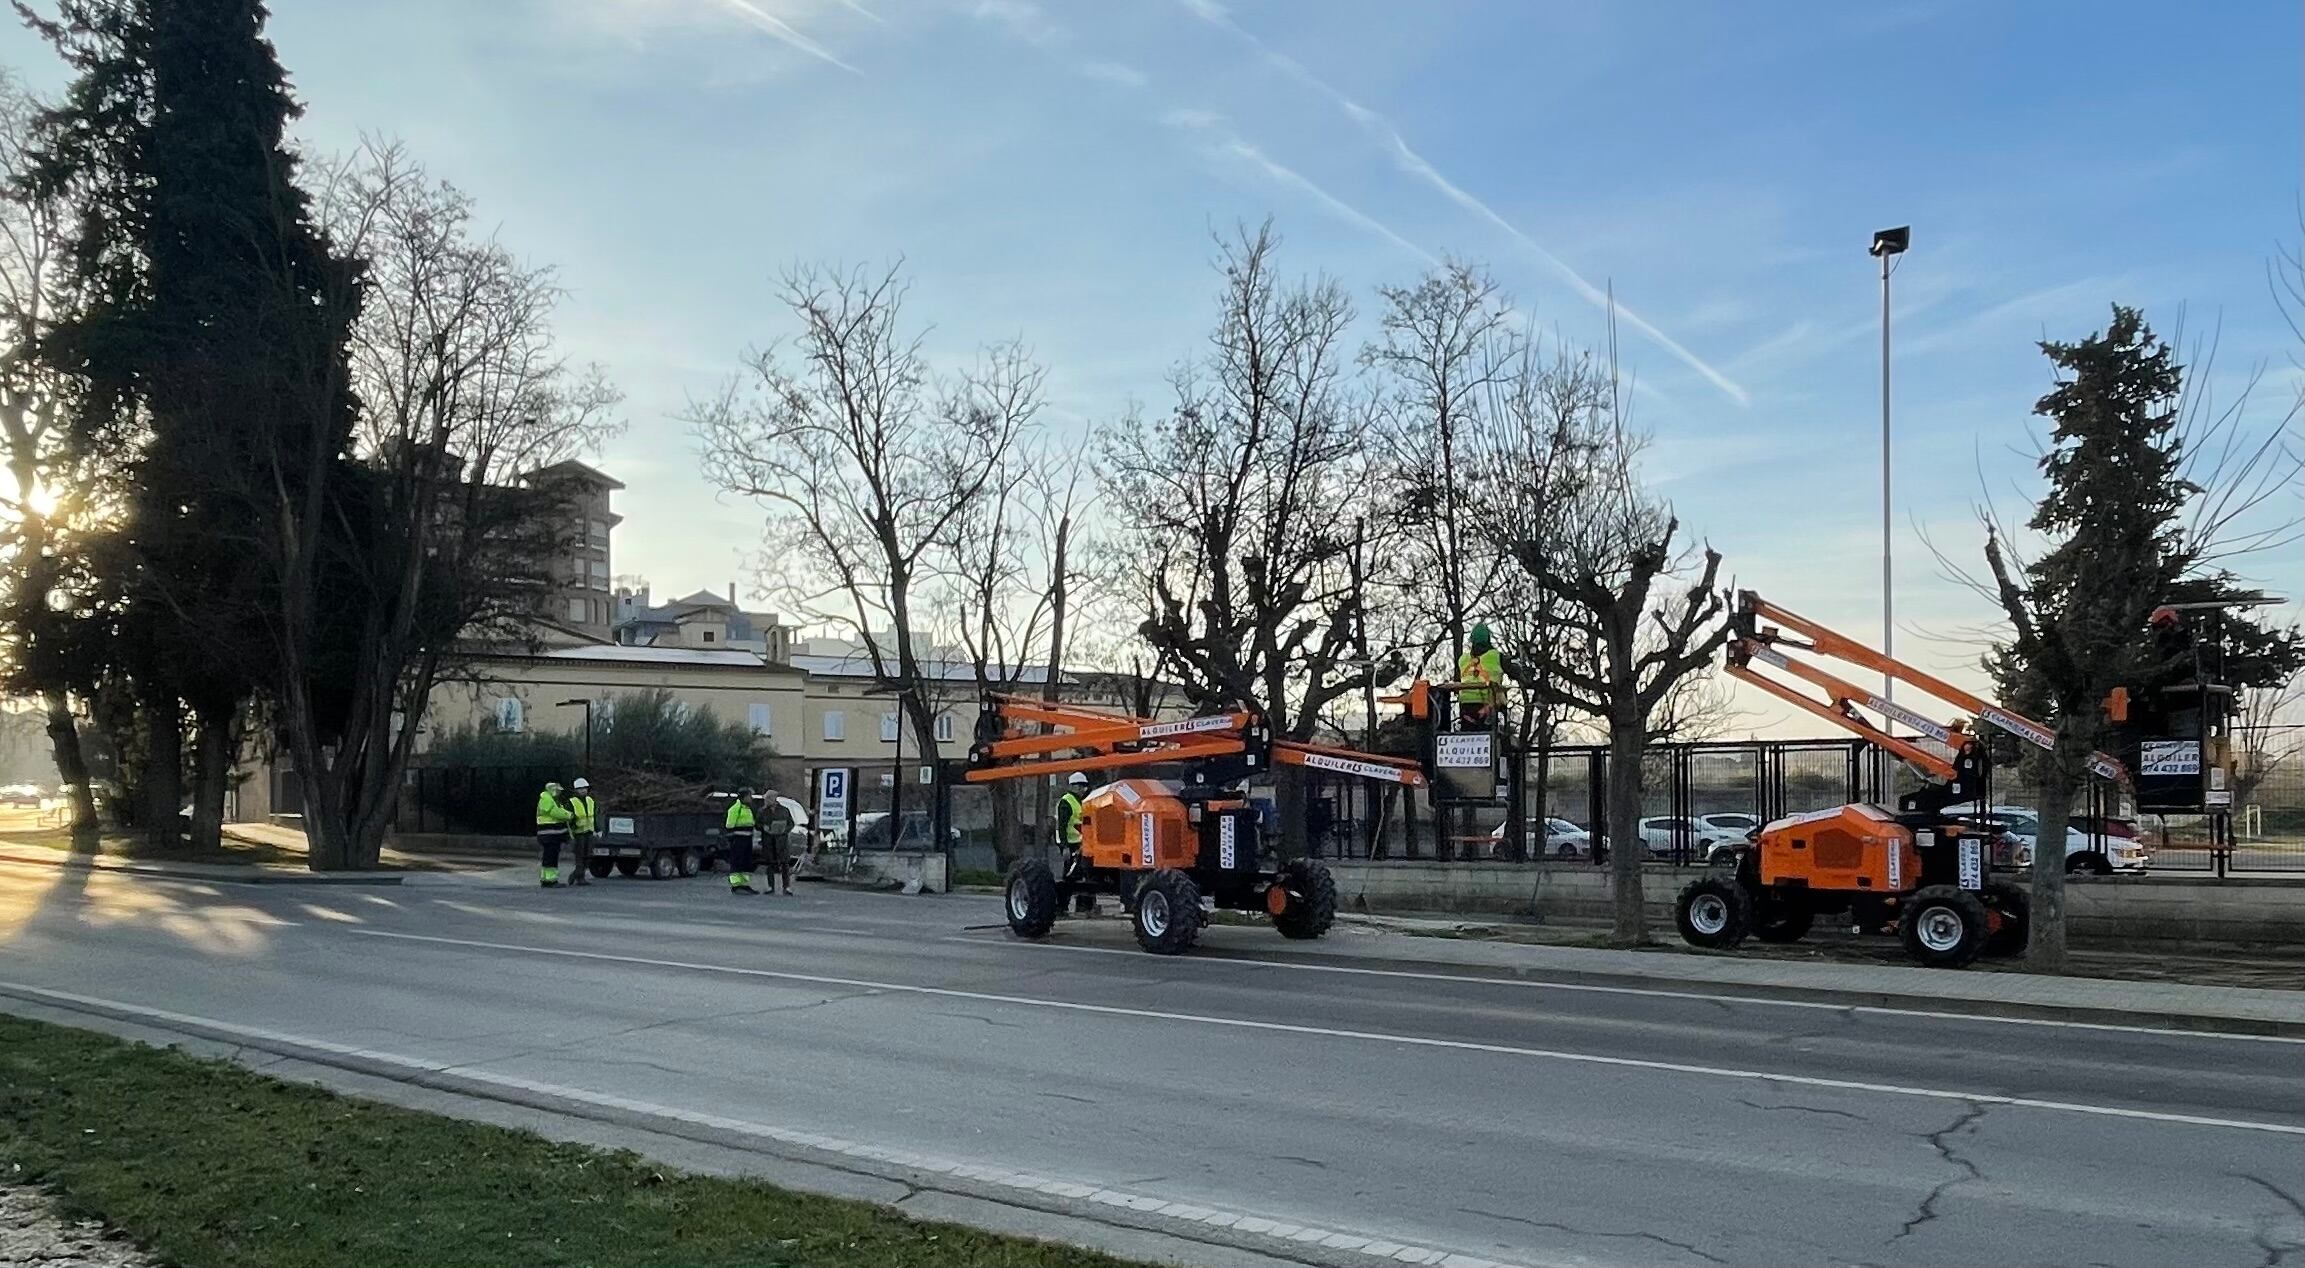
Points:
(1482, 667)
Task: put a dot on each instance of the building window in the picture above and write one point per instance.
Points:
(580, 611)
(835, 725)
(758, 715)
(511, 718)
(708, 636)
(576, 570)
(944, 728)
(600, 575)
(888, 728)
(597, 533)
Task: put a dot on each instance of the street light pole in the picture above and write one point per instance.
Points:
(586, 705)
(1887, 245)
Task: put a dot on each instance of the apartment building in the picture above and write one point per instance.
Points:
(581, 602)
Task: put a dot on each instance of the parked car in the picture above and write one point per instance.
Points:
(21, 795)
(2112, 851)
(1563, 840)
(1668, 836)
(871, 831)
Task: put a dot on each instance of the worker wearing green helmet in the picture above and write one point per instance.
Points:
(1482, 668)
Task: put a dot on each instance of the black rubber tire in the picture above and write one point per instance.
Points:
(707, 862)
(2092, 863)
(1565, 851)
(1312, 899)
(600, 868)
(2016, 909)
(1930, 941)
(690, 862)
(662, 866)
(1167, 917)
(1782, 920)
(1030, 899)
(1713, 911)
(628, 867)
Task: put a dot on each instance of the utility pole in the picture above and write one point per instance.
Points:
(1888, 244)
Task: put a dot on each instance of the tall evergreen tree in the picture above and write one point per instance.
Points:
(205, 327)
(2116, 547)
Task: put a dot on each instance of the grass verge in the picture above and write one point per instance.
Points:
(207, 1164)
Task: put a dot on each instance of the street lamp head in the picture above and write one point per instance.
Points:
(1891, 241)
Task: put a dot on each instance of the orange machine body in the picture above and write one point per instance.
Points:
(1859, 849)
(1141, 825)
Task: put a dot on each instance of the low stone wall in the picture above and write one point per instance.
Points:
(2101, 909)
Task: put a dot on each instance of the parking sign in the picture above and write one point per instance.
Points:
(832, 798)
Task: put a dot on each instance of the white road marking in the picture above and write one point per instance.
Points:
(1370, 1036)
(1659, 992)
(1003, 1177)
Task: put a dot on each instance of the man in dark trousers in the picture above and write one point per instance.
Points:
(582, 829)
(737, 831)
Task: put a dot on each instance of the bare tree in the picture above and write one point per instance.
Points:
(1447, 351)
(2271, 732)
(45, 465)
(863, 466)
(439, 538)
(1631, 625)
(1232, 504)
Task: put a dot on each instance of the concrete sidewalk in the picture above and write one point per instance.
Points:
(216, 873)
(1384, 944)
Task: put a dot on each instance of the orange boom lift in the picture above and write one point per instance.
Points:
(1164, 845)
(1921, 870)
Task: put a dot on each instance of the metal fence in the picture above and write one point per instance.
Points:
(1773, 778)
(891, 807)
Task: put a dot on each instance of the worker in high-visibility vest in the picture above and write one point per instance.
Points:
(1071, 808)
(582, 829)
(1482, 666)
(553, 817)
(736, 831)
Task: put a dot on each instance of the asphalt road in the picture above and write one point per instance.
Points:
(1499, 1120)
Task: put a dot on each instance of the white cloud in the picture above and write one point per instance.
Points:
(1114, 73)
(784, 32)
(1023, 19)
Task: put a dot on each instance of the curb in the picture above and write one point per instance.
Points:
(156, 871)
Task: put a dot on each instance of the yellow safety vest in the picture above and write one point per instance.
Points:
(1486, 667)
(1069, 809)
(550, 813)
(587, 812)
(739, 816)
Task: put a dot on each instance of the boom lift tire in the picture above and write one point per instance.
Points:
(1778, 919)
(1168, 913)
(1944, 926)
(1312, 899)
(2015, 908)
(1713, 911)
(1031, 899)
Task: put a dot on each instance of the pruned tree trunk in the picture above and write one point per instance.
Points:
(163, 727)
(211, 776)
(1630, 924)
(71, 761)
(2062, 779)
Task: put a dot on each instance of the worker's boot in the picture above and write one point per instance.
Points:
(549, 877)
(739, 883)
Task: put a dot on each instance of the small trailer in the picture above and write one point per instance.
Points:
(660, 845)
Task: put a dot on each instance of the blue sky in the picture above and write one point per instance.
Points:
(1053, 170)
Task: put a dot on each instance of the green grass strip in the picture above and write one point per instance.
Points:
(207, 1164)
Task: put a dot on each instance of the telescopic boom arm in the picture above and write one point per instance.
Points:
(1754, 641)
